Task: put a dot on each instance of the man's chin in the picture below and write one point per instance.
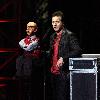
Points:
(56, 30)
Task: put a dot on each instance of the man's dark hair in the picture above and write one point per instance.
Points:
(59, 13)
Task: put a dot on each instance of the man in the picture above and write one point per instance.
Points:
(63, 45)
(29, 69)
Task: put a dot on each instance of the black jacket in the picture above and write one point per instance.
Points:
(68, 47)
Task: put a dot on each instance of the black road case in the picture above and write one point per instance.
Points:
(83, 78)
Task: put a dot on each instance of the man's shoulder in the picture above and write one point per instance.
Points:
(68, 32)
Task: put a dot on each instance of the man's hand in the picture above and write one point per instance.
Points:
(60, 62)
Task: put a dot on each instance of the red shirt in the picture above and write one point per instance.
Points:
(54, 68)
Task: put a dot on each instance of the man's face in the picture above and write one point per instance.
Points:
(57, 23)
(31, 28)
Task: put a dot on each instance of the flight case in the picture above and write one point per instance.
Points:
(83, 78)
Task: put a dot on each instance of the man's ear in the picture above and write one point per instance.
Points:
(36, 29)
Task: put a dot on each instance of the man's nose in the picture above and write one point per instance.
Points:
(27, 30)
(54, 24)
